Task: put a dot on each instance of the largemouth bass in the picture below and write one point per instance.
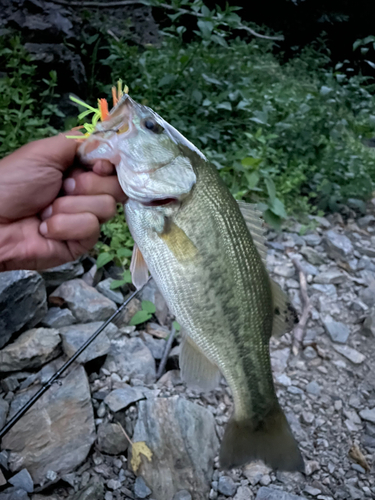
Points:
(194, 239)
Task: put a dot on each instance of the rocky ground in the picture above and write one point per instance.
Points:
(74, 442)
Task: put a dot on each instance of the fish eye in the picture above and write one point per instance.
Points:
(153, 126)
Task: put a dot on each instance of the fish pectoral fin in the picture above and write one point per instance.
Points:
(197, 370)
(269, 439)
(178, 242)
(254, 224)
(138, 268)
(284, 314)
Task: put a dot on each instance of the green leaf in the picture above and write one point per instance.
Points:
(356, 44)
(166, 80)
(103, 259)
(206, 27)
(140, 317)
(270, 189)
(117, 284)
(278, 208)
(127, 276)
(224, 105)
(148, 306)
(219, 40)
(272, 219)
(176, 326)
(250, 162)
(124, 252)
(324, 90)
(252, 179)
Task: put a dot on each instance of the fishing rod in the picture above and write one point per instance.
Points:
(65, 366)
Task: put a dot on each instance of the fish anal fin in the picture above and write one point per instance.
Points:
(178, 242)
(284, 314)
(138, 268)
(269, 440)
(254, 224)
(197, 370)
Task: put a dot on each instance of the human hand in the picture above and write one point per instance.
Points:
(38, 229)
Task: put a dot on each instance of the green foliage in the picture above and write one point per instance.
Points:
(148, 309)
(25, 101)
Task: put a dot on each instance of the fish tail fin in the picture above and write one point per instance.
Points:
(270, 440)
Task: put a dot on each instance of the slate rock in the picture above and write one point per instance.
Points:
(57, 275)
(85, 302)
(126, 315)
(182, 495)
(57, 317)
(31, 349)
(14, 494)
(121, 398)
(57, 432)
(312, 256)
(313, 388)
(91, 492)
(330, 277)
(265, 493)
(130, 357)
(226, 486)
(23, 481)
(74, 336)
(367, 295)
(3, 481)
(349, 353)
(180, 432)
(104, 287)
(4, 407)
(23, 302)
(141, 489)
(338, 246)
(368, 415)
(111, 439)
(336, 330)
(285, 270)
(312, 239)
(156, 346)
(327, 289)
(243, 493)
(369, 323)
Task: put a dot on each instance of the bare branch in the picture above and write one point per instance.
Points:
(299, 330)
(122, 3)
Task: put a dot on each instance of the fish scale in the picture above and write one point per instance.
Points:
(192, 235)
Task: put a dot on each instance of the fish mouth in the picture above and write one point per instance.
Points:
(160, 202)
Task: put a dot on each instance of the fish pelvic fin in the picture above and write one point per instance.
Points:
(197, 371)
(269, 440)
(138, 268)
(284, 315)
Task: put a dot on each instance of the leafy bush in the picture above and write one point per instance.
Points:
(25, 101)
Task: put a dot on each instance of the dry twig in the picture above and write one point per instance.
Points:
(167, 350)
(299, 330)
(122, 3)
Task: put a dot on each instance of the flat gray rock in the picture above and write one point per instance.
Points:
(327, 289)
(336, 330)
(74, 336)
(91, 492)
(104, 287)
(23, 480)
(243, 493)
(131, 357)
(56, 434)
(312, 239)
(156, 346)
(4, 407)
(338, 246)
(182, 495)
(226, 486)
(59, 274)
(368, 415)
(141, 489)
(312, 256)
(177, 432)
(265, 493)
(121, 398)
(369, 323)
(85, 302)
(31, 349)
(111, 439)
(14, 494)
(57, 317)
(349, 353)
(23, 302)
(367, 295)
(331, 277)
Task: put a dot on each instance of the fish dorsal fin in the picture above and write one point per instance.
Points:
(285, 316)
(138, 268)
(254, 224)
(197, 370)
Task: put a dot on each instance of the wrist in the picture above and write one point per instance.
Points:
(10, 245)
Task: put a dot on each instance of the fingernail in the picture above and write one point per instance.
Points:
(69, 186)
(47, 212)
(43, 229)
